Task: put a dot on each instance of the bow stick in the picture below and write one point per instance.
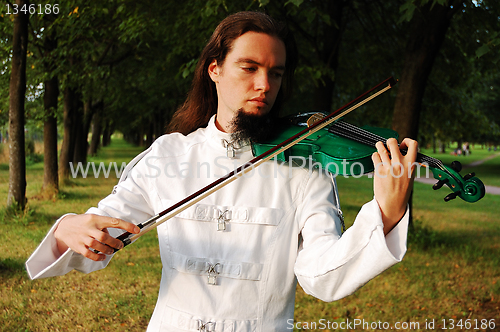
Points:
(194, 198)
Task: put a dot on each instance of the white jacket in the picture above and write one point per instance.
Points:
(281, 225)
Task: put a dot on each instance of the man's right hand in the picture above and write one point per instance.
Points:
(85, 232)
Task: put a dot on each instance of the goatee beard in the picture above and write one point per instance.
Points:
(256, 128)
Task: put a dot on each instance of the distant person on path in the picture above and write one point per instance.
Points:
(465, 149)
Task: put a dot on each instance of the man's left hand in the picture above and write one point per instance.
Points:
(393, 180)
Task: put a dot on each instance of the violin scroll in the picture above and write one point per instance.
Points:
(469, 188)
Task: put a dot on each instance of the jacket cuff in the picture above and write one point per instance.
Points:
(47, 254)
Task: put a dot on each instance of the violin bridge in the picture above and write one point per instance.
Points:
(314, 118)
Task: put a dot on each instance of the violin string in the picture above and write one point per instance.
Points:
(371, 139)
(346, 130)
(363, 136)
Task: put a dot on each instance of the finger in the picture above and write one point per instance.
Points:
(96, 246)
(105, 239)
(378, 171)
(407, 141)
(411, 155)
(107, 222)
(411, 146)
(383, 153)
(393, 146)
(376, 158)
(101, 234)
(87, 252)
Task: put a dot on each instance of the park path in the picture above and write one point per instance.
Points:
(479, 162)
(489, 189)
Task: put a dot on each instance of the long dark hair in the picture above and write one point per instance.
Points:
(201, 102)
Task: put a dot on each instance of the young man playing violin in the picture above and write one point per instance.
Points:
(231, 262)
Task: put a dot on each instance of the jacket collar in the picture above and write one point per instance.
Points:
(224, 142)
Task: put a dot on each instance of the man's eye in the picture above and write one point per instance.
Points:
(277, 75)
(249, 69)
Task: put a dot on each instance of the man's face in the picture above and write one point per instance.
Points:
(250, 77)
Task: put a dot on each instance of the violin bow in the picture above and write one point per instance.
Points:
(194, 198)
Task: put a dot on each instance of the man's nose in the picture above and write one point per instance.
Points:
(262, 82)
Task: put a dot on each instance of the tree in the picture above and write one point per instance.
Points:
(318, 27)
(71, 102)
(50, 101)
(96, 128)
(17, 89)
(50, 169)
(428, 28)
(6, 33)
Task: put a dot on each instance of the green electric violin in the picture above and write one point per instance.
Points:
(344, 149)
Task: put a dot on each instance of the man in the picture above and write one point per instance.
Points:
(231, 262)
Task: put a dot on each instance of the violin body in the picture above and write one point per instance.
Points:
(338, 155)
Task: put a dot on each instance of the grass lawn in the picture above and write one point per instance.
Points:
(450, 275)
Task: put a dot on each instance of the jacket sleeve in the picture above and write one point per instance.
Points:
(331, 266)
(129, 201)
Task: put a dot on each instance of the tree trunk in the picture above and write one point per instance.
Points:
(443, 147)
(328, 54)
(88, 113)
(107, 132)
(150, 133)
(323, 94)
(428, 29)
(81, 144)
(68, 144)
(50, 168)
(17, 89)
(159, 123)
(434, 146)
(96, 129)
(142, 133)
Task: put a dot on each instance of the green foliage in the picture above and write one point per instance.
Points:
(297, 3)
(31, 156)
(29, 147)
(408, 9)
(454, 103)
(17, 217)
(482, 50)
(138, 58)
(424, 237)
(6, 31)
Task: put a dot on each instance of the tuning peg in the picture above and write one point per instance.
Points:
(450, 197)
(456, 166)
(468, 176)
(439, 184)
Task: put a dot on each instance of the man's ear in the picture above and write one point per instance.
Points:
(214, 71)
